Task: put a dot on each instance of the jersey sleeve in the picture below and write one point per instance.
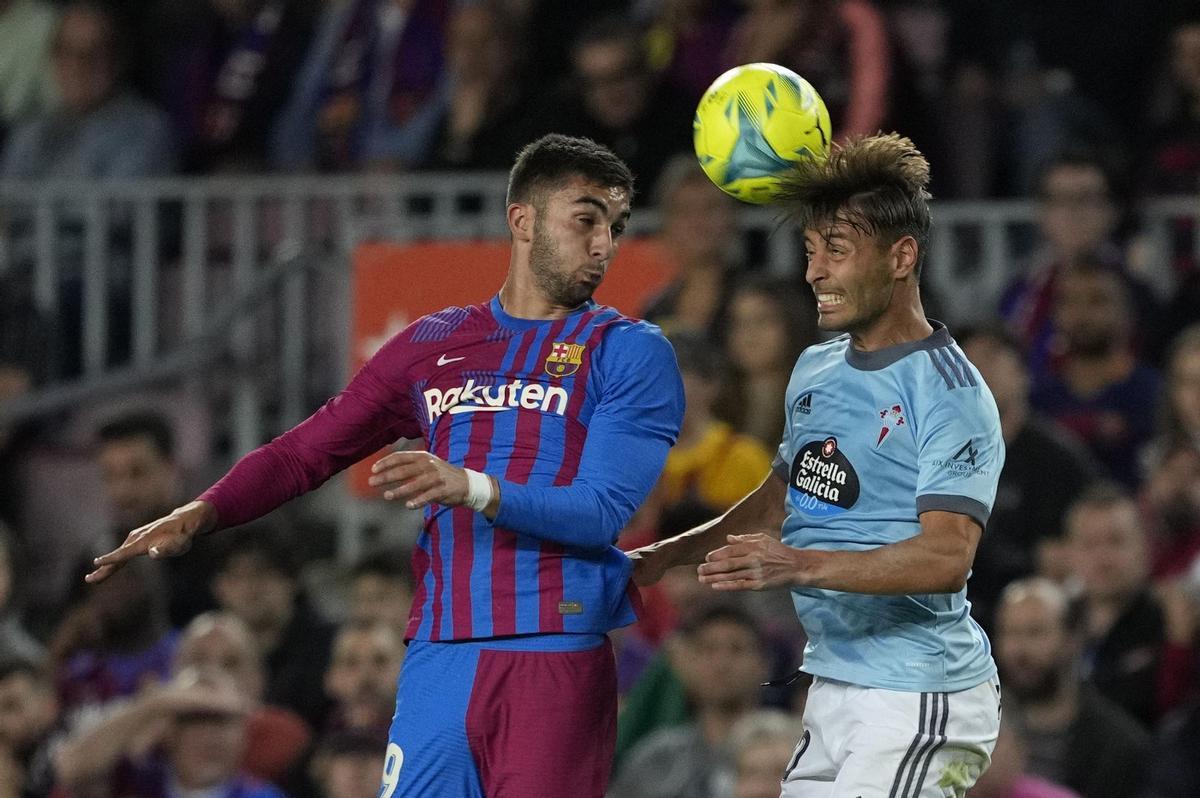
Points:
(372, 411)
(635, 423)
(960, 454)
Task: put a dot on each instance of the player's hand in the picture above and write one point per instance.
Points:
(648, 567)
(750, 562)
(169, 536)
(420, 478)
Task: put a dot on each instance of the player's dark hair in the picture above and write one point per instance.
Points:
(149, 425)
(390, 565)
(879, 185)
(554, 159)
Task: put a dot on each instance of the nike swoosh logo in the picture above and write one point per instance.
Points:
(477, 409)
(443, 360)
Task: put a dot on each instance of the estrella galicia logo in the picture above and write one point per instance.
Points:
(805, 404)
(823, 481)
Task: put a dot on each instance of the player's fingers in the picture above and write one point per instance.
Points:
(401, 472)
(396, 458)
(101, 573)
(738, 584)
(726, 566)
(727, 552)
(434, 494)
(171, 546)
(414, 486)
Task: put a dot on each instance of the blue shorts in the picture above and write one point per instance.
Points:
(532, 717)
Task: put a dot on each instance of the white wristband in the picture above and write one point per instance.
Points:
(479, 490)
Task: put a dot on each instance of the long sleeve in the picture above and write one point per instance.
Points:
(371, 412)
(635, 423)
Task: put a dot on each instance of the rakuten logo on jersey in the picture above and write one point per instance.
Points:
(473, 398)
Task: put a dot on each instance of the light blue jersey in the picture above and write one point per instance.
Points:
(872, 440)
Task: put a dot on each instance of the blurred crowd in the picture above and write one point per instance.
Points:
(124, 88)
(253, 666)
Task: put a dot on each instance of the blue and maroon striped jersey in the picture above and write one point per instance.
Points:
(573, 418)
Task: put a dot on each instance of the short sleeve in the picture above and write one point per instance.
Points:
(960, 454)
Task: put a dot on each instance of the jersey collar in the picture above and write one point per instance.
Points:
(882, 358)
(514, 323)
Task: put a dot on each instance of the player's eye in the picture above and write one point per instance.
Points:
(618, 230)
(585, 220)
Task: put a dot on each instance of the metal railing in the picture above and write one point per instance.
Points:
(249, 275)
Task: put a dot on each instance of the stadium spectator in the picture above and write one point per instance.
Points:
(276, 738)
(15, 640)
(362, 674)
(1173, 155)
(186, 737)
(489, 113)
(840, 46)
(28, 729)
(258, 580)
(1122, 629)
(1179, 422)
(681, 37)
(1006, 776)
(112, 642)
(26, 87)
(618, 102)
(101, 128)
(370, 92)
(1170, 502)
(721, 658)
(1174, 768)
(1024, 533)
(710, 464)
(698, 236)
(771, 322)
(347, 764)
(762, 744)
(143, 480)
(223, 70)
(1079, 214)
(1101, 392)
(381, 591)
(1076, 737)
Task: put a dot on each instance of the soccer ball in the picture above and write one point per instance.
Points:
(752, 123)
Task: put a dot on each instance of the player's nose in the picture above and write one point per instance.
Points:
(603, 245)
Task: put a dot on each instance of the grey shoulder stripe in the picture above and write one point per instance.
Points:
(940, 369)
(941, 740)
(952, 366)
(912, 749)
(963, 365)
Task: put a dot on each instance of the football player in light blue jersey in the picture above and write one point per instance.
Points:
(881, 488)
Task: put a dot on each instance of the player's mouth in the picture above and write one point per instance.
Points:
(827, 302)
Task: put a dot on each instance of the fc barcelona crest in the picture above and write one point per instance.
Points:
(564, 359)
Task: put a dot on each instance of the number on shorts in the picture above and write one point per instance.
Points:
(391, 770)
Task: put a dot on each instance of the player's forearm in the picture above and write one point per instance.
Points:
(908, 567)
(573, 515)
(762, 510)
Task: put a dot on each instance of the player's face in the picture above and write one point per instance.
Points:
(850, 275)
(576, 230)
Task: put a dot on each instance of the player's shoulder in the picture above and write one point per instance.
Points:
(624, 330)
(441, 324)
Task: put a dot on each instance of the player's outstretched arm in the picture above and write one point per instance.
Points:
(936, 560)
(761, 512)
(169, 536)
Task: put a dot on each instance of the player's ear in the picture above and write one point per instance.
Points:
(520, 220)
(904, 257)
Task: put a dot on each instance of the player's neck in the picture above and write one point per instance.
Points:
(523, 301)
(899, 324)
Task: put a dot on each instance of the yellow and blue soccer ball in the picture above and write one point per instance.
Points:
(752, 123)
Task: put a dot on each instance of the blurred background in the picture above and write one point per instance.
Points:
(211, 211)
